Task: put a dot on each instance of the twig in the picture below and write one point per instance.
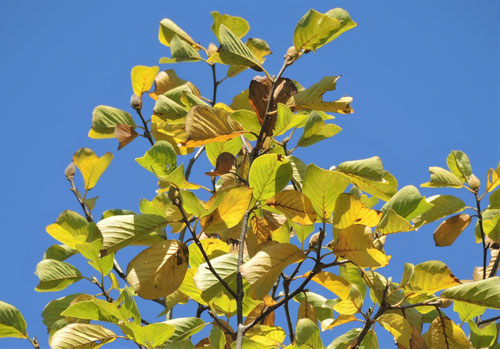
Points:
(286, 287)
(494, 269)
(488, 320)
(86, 210)
(146, 128)
(216, 84)
(192, 161)
(480, 221)
(34, 342)
(239, 280)
(221, 324)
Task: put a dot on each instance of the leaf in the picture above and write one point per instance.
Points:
(212, 247)
(483, 337)
(443, 205)
(232, 146)
(459, 164)
(124, 134)
(121, 231)
(161, 159)
(345, 340)
(485, 293)
(260, 48)
(408, 203)
(142, 78)
(105, 119)
(314, 30)
(323, 187)
(55, 275)
(217, 337)
(159, 270)
(328, 324)
(350, 210)
(95, 309)
(233, 51)
(398, 326)
(336, 284)
(322, 310)
(431, 277)
(316, 130)
(81, 336)
(91, 251)
(353, 274)
(307, 333)
(59, 252)
(240, 101)
(295, 205)
(442, 178)
(168, 110)
(263, 269)
(181, 51)
(167, 31)
(185, 327)
(225, 266)
(167, 80)
(206, 125)
(286, 119)
(51, 312)
(128, 305)
(91, 166)
(391, 223)
(224, 164)
(229, 212)
(268, 175)
(269, 336)
(357, 246)
(12, 323)
(352, 304)
(493, 178)
(467, 311)
(370, 341)
(444, 333)
(237, 25)
(449, 230)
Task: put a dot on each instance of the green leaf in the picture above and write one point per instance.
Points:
(369, 169)
(408, 203)
(248, 120)
(233, 51)
(299, 171)
(483, 337)
(286, 120)
(180, 345)
(12, 323)
(185, 327)
(161, 159)
(495, 199)
(345, 340)
(167, 31)
(442, 178)
(232, 146)
(152, 335)
(59, 252)
(268, 175)
(105, 119)
(352, 274)
(323, 187)
(217, 337)
(181, 51)
(169, 110)
(205, 281)
(91, 166)
(157, 206)
(409, 269)
(237, 25)
(52, 311)
(128, 305)
(91, 251)
(443, 205)
(467, 311)
(398, 326)
(391, 223)
(314, 30)
(485, 293)
(346, 23)
(260, 48)
(370, 341)
(240, 101)
(459, 164)
(316, 130)
(95, 309)
(323, 311)
(55, 275)
(81, 336)
(307, 333)
(491, 225)
(121, 231)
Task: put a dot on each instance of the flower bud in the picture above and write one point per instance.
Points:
(211, 49)
(174, 194)
(70, 171)
(291, 54)
(474, 182)
(136, 102)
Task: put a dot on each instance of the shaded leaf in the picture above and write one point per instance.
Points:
(167, 31)
(449, 230)
(493, 178)
(224, 164)
(225, 266)
(161, 159)
(345, 340)
(81, 336)
(181, 51)
(105, 119)
(55, 275)
(443, 205)
(233, 51)
(442, 178)
(232, 146)
(483, 337)
(59, 252)
(459, 164)
(12, 323)
(307, 333)
(185, 327)
(408, 203)
(124, 134)
(484, 293)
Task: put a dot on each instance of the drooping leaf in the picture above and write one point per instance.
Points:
(161, 159)
(105, 119)
(233, 51)
(467, 311)
(391, 223)
(55, 275)
(398, 326)
(314, 30)
(59, 252)
(225, 266)
(449, 230)
(459, 164)
(260, 48)
(81, 336)
(493, 178)
(167, 31)
(268, 175)
(142, 78)
(443, 205)
(125, 134)
(185, 327)
(159, 270)
(263, 269)
(295, 205)
(408, 203)
(91, 166)
(168, 111)
(442, 178)
(484, 336)
(444, 333)
(307, 334)
(12, 323)
(323, 187)
(316, 130)
(350, 210)
(336, 284)
(167, 80)
(239, 26)
(431, 277)
(484, 293)
(181, 51)
(95, 309)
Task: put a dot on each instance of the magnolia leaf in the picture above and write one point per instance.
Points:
(124, 134)
(357, 246)
(332, 282)
(467, 311)
(12, 323)
(224, 164)
(59, 252)
(260, 48)
(263, 269)
(269, 174)
(105, 119)
(443, 205)
(306, 311)
(168, 29)
(168, 110)
(307, 334)
(157, 206)
(442, 178)
(167, 80)
(409, 269)
(51, 314)
(181, 51)
(159, 270)
(459, 164)
(161, 159)
(323, 187)
(81, 336)
(91, 166)
(234, 52)
(370, 341)
(205, 124)
(142, 78)
(431, 277)
(95, 309)
(286, 119)
(123, 230)
(91, 251)
(152, 335)
(212, 247)
(316, 130)
(217, 337)
(391, 223)
(408, 203)
(449, 230)
(204, 280)
(351, 304)
(323, 311)
(128, 305)
(295, 205)
(493, 178)
(55, 275)
(483, 337)
(398, 326)
(345, 340)
(328, 324)
(232, 146)
(237, 25)
(268, 336)
(353, 274)
(444, 333)
(485, 293)
(185, 327)
(314, 30)
(70, 229)
(350, 210)
(240, 101)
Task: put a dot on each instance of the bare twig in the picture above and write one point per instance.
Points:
(286, 287)
(147, 134)
(481, 228)
(192, 161)
(482, 322)
(86, 210)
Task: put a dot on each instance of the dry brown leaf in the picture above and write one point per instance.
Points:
(449, 230)
(125, 134)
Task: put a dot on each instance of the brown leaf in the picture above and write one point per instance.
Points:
(262, 229)
(259, 309)
(449, 230)
(125, 134)
(224, 164)
(477, 274)
(416, 340)
(306, 311)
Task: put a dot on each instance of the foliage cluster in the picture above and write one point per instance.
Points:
(272, 224)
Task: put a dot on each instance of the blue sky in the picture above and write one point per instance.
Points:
(424, 76)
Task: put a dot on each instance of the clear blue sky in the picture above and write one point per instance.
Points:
(424, 76)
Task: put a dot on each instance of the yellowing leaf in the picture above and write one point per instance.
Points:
(268, 175)
(294, 205)
(398, 326)
(350, 210)
(350, 305)
(263, 269)
(12, 323)
(70, 229)
(444, 333)
(159, 270)
(91, 166)
(391, 223)
(266, 335)
(449, 230)
(239, 26)
(142, 78)
(314, 30)
(160, 159)
(357, 246)
(442, 178)
(79, 335)
(459, 164)
(167, 31)
(105, 119)
(493, 179)
(432, 276)
(340, 320)
(332, 282)
(316, 130)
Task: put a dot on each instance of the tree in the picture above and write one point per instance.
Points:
(300, 224)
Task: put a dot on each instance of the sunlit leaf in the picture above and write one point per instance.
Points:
(484, 336)
(449, 230)
(225, 266)
(91, 166)
(295, 205)
(444, 333)
(443, 205)
(181, 51)
(314, 30)
(70, 229)
(307, 334)
(105, 119)
(260, 48)
(431, 277)
(493, 178)
(232, 146)
(55, 275)
(442, 178)
(95, 309)
(167, 31)
(408, 203)
(398, 326)
(350, 210)
(467, 311)
(268, 175)
(370, 341)
(59, 252)
(391, 223)
(332, 282)
(124, 134)
(167, 80)
(151, 335)
(316, 130)
(12, 323)
(323, 311)
(185, 327)
(353, 274)
(142, 78)
(239, 26)
(161, 159)
(81, 336)
(345, 340)
(459, 164)
(484, 293)
(168, 110)
(266, 335)
(350, 305)
(233, 51)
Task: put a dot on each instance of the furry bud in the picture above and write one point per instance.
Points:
(70, 171)
(136, 102)
(474, 182)
(211, 49)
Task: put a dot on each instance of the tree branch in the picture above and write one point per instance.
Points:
(481, 228)
(488, 320)
(146, 128)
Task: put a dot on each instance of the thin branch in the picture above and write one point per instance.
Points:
(480, 221)
(86, 210)
(286, 287)
(482, 322)
(192, 161)
(221, 324)
(495, 266)
(216, 84)
(146, 128)
(239, 279)
(34, 342)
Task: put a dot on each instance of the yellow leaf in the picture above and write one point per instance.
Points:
(263, 269)
(493, 179)
(328, 324)
(357, 246)
(91, 166)
(267, 335)
(295, 206)
(351, 304)
(142, 78)
(430, 277)
(350, 210)
(340, 286)
(444, 333)
(189, 289)
(398, 326)
(391, 223)
(449, 230)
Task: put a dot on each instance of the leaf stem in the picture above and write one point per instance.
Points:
(86, 210)
(481, 228)
(34, 342)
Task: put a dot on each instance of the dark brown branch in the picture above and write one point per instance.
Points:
(216, 84)
(482, 322)
(494, 269)
(86, 210)
(147, 134)
(192, 161)
(286, 287)
(481, 228)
